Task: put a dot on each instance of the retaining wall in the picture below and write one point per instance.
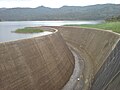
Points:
(101, 52)
(40, 63)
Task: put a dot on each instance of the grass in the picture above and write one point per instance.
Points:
(114, 26)
(28, 30)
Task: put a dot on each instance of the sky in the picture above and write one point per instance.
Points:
(52, 3)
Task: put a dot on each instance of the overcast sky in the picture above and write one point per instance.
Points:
(52, 3)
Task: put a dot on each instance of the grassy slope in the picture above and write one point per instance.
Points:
(114, 26)
(28, 30)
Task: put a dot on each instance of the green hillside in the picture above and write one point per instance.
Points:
(93, 12)
(114, 26)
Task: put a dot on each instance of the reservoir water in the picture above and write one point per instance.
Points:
(7, 27)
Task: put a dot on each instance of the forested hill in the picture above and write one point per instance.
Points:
(93, 12)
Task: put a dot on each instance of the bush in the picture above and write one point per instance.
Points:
(113, 19)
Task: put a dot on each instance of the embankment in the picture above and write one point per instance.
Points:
(40, 63)
(101, 52)
(46, 63)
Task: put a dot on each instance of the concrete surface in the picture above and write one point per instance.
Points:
(46, 63)
(40, 63)
(100, 52)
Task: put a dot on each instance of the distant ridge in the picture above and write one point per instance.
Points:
(92, 12)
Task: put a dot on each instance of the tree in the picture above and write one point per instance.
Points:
(113, 19)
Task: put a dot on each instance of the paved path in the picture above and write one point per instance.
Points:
(76, 80)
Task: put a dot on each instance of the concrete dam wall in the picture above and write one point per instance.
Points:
(101, 52)
(40, 63)
(46, 63)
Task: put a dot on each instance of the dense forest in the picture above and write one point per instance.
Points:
(93, 12)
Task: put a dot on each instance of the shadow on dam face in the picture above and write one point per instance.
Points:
(46, 62)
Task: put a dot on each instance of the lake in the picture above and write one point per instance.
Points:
(8, 26)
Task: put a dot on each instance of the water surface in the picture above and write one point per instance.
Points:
(7, 27)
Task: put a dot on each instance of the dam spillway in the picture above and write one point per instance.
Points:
(46, 63)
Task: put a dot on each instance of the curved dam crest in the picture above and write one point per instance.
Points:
(46, 63)
(40, 63)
